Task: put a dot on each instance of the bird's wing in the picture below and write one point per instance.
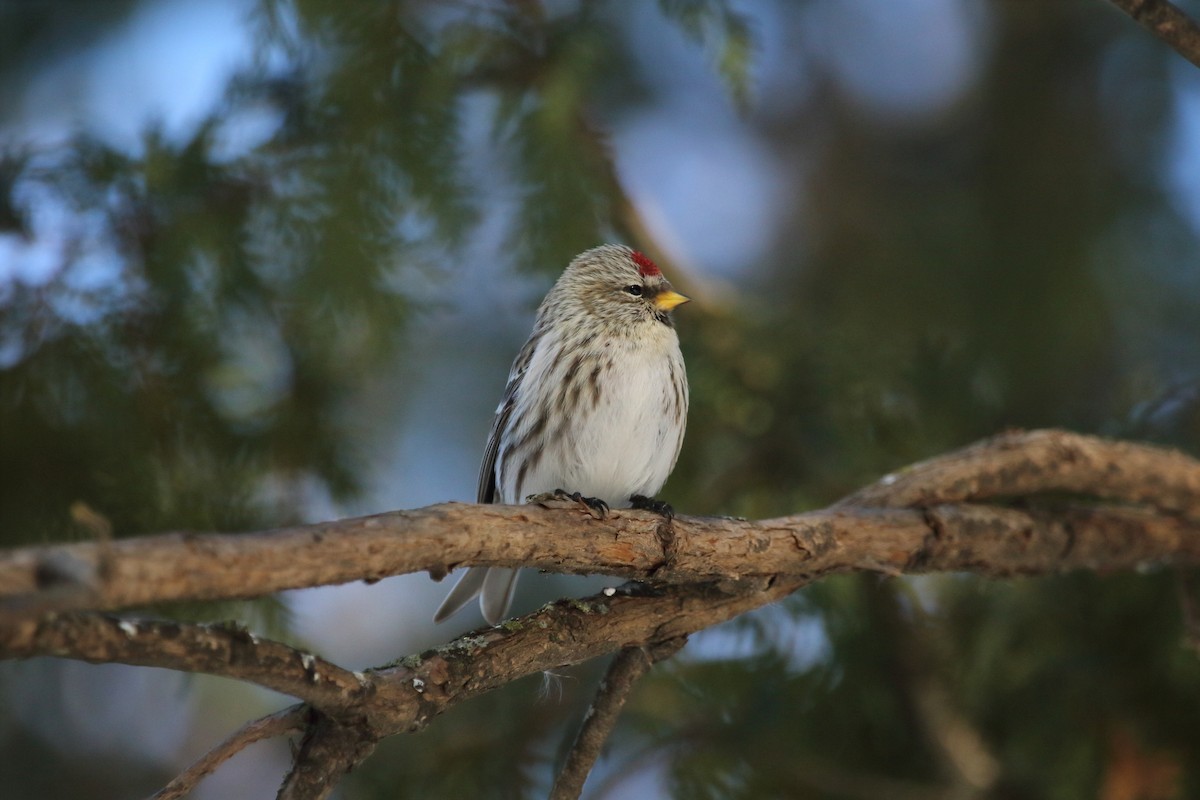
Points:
(487, 470)
(486, 492)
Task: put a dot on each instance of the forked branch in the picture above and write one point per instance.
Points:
(1066, 502)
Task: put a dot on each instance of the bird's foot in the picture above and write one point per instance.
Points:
(556, 499)
(644, 503)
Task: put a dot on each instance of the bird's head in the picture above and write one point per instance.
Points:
(618, 285)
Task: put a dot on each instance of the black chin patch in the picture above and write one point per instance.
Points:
(664, 318)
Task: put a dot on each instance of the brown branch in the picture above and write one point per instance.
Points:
(993, 541)
(281, 723)
(330, 749)
(985, 540)
(1168, 23)
(1024, 463)
(408, 696)
(981, 539)
(222, 650)
(629, 544)
(706, 571)
(627, 668)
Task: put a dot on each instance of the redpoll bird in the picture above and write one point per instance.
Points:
(595, 405)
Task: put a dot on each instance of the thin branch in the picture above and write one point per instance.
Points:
(632, 544)
(627, 668)
(1168, 23)
(223, 650)
(281, 723)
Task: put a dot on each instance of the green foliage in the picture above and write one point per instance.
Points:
(725, 33)
(197, 357)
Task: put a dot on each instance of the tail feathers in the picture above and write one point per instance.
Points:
(468, 586)
(493, 585)
(497, 593)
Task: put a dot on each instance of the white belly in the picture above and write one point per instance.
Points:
(618, 442)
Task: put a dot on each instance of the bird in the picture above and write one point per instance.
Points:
(595, 405)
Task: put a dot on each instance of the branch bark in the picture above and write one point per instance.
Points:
(330, 749)
(281, 723)
(1131, 506)
(627, 668)
(223, 650)
(868, 528)
(1168, 23)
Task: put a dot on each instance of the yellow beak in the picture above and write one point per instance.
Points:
(665, 301)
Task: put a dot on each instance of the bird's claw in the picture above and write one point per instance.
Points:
(556, 499)
(640, 501)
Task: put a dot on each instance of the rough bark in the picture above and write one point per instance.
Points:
(623, 673)
(1070, 502)
(875, 526)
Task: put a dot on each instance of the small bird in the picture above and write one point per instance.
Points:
(595, 406)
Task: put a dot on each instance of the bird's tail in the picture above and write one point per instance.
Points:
(493, 585)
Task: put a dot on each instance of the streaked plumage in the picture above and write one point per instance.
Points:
(596, 401)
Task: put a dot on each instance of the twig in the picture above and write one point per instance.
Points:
(281, 723)
(629, 665)
(1168, 23)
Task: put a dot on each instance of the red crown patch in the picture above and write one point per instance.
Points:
(645, 265)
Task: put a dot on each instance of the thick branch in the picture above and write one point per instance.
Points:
(982, 539)
(639, 545)
(720, 568)
(1168, 23)
(562, 633)
(407, 697)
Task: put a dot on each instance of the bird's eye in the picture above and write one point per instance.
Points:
(634, 290)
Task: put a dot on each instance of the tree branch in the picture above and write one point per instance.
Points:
(1023, 463)
(986, 540)
(281, 723)
(867, 528)
(222, 650)
(407, 696)
(627, 668)
(1168, 23)
(704, 571)
(330, 749)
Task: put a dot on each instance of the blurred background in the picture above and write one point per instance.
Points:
(264, 262)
